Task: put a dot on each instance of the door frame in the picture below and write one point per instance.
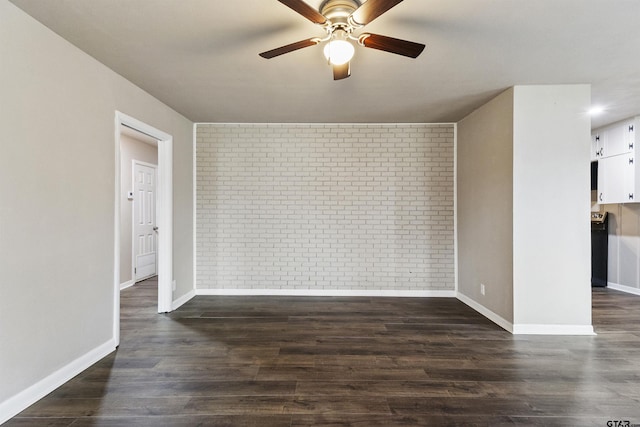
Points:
(164, 216)
(135, 162)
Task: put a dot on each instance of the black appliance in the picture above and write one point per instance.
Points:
(594, 175)
(599, 248)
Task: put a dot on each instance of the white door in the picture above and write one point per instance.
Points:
(144, 221)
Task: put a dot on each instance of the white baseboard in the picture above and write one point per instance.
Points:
(623, 288)
(526, 329)
(183, 299)
(21, 401)
(495, 318)
(127, 284)
(529, 329)
(329, 293)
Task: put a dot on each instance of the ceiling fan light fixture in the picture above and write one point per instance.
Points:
(340, 19)
(339, 52)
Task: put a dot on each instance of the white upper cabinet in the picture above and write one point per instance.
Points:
(618, 172)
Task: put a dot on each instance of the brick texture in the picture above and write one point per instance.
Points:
(325, 206)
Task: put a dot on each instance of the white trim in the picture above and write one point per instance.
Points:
(18, 403)
(195, 204)
(127, 284)
(455, 206)
(532, 329)
(526, 329)
(116, 237)
(327, 123)
(329, 293)
(164, 222)
(623, 288)
(183, 299)
(495, 318)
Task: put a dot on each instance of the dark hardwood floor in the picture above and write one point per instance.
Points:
(292, 361)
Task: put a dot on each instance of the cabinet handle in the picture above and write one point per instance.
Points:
(631, 128)
(600, 197)
(631, 146)
(631, 160)
(630, 196)
(597, 137)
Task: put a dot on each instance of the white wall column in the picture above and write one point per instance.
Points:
(551, 202)
(523, 204)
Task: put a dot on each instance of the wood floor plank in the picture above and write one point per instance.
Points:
(403, 421)
(106, 405)
(381, 388)
(306, 361)
(320, 372)
(475, 406)
(188, 421)
(191, 388)
(44, 422)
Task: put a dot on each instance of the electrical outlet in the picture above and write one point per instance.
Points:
(482, 288)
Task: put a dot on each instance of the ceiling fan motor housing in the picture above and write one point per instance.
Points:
(338, 11)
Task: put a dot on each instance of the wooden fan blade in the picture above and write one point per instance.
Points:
(305, 10)
(389, 44)
(289, 48)
(371, 9)
(341, 71)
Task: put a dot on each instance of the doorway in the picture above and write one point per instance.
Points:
(163, 216)
(138, 177)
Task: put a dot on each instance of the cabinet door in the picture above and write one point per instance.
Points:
(630, 135)
(597, 145)
(616, 179)
(629, 178)
(617, 140)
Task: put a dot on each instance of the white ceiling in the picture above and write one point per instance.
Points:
(201, 56)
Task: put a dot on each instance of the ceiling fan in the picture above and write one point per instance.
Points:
(340, 18)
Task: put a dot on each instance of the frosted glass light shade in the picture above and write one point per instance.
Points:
(338, 52)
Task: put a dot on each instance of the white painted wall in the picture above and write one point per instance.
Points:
(551, 252)
(130, 149)
(485, 205)
(332, 208)
(57, 184)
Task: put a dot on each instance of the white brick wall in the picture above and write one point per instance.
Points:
(325, 206)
